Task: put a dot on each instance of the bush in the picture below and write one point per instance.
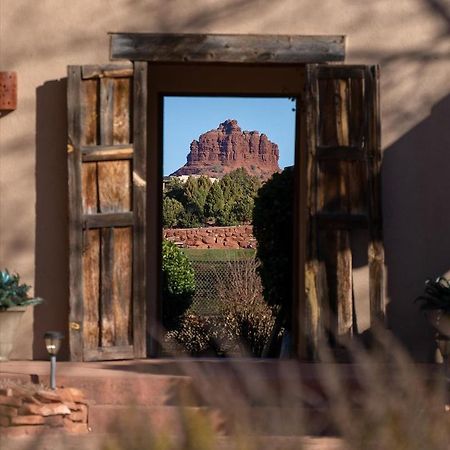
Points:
(172, 212)
(178, 284)
(273, 229)
(244, 322)
(245, 312)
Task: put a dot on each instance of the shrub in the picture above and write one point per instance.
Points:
(172, 211)
(178, 284)
(245, 313)
(273, 228)
(244, 322)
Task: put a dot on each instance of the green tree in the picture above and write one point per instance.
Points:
(172, 212)
(214, 203)
(239, 189)
(273, 229)
(196, 190)
(178, 284)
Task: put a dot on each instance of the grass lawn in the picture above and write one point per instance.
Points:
(211, 254)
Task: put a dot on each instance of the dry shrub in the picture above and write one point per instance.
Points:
(244, 323)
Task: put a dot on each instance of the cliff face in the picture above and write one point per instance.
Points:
(227, 148)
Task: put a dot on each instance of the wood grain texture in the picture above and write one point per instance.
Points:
(75, 211)
(91, 289)
(107, 152)
(121, 111)
(376, 247)
(344, 283)
(89, 188)
(107, 322)
(122, 286)
(139, 209)
(109, 353)
(227, 48)
(107, 70)
(124, 219)
(89, 113)
(114, 186)
(106, 111)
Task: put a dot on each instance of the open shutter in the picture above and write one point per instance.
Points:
(343, 195)
(107, 178)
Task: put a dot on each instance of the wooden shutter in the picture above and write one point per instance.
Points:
(343, 195)
(107, 178)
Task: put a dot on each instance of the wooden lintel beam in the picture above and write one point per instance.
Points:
(227, 48)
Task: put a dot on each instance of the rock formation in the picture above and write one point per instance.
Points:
(227, 148)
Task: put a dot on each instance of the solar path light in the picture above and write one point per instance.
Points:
(53, 343)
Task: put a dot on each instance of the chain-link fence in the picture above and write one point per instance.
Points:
(209, 276)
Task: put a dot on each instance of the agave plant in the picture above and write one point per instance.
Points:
(13, 293)
(436, 296)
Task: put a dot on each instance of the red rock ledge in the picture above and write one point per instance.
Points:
(25, 411)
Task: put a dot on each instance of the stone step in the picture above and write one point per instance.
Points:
(174, 420)
(145, 390)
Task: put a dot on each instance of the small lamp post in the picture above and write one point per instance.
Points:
(53, 343)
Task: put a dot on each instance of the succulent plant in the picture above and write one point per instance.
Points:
(436, 296)
(13, 293)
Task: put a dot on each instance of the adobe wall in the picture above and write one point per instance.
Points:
(212, 237)
(408, 38)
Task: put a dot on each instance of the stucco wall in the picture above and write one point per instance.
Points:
(408, 38)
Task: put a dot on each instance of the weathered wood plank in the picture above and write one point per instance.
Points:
(121, 111)
(102, 220)
(107, 152)
(341, 221)
(91, 288)
(336, 72)
(108, 334)
(344, 286)
(122, 283)
(139, 208)
(107, 70)
(341, 153)
(109, 353)
(88, 105)
(106, 110)
(308, 344)
(227, 48)
(376, 247)
(114, 186)
(75, 213)
(89, 188)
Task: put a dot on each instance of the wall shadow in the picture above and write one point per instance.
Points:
(416, 187)
(52, 249)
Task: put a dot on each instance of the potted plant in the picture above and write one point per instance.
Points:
(13, 302)
(436, 304)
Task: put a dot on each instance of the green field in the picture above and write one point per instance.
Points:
(218, 254)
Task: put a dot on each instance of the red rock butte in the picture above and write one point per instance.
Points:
(218, 152)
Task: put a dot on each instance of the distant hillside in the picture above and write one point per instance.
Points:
(218, 152)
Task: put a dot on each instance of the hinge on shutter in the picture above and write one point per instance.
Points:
(74, 326)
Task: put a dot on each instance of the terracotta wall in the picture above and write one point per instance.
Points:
(408, 38)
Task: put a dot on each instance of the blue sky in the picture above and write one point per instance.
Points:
(186, 118)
